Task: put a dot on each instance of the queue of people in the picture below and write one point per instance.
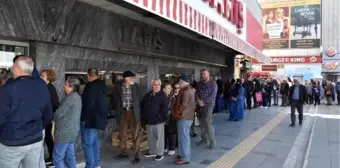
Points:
(167, 112)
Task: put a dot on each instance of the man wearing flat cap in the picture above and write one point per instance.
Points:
(126, 98)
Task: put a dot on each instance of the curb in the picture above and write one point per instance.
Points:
(297, 153)
(305, 161)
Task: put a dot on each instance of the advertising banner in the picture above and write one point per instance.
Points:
(296, 60)
(291, 24)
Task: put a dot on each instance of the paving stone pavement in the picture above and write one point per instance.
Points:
(228, 135)
(273, 150)
(325, 145)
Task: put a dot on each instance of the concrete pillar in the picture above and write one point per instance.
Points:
(49, 56)
(153, 72)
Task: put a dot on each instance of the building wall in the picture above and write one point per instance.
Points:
(65, 33)
(330, 24)
(331, 37)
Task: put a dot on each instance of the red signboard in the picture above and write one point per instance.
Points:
(232, 11)
(269, 67)
(254, 31)
(295, 60)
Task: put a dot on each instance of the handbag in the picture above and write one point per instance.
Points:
(258, 97)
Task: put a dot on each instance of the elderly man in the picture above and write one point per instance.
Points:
(184, 111)
(26, 110)
(298, 96)
(206, 91)
(154, 110)
(126, 99)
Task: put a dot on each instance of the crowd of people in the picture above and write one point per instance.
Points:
(33, 115)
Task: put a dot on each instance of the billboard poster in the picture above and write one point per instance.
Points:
(275, 27)
(291, 24)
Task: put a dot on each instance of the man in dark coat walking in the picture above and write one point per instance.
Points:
(297, 96)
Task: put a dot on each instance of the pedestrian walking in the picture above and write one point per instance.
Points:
(316, 93)
(298, 97)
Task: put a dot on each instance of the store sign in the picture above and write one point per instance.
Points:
(331, 52)
(232, 10)
(331, 65)
(296, 60)
(269, 67)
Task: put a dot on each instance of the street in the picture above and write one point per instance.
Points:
(262, 140)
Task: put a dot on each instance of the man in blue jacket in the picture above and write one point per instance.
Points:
(94, 117)
(25, 110)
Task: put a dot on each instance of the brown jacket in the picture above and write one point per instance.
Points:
(185, 104)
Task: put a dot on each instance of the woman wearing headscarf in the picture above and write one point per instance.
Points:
(237, 106)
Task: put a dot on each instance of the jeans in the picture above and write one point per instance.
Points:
(27, 156)
(296, 105)
(64, 152)
(264, 100)
(276, 97)
(90, 145)
(184, 143)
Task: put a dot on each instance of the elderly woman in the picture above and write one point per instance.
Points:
(67, 125)
(48, 75)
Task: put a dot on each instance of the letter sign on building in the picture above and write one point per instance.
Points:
(232, 10)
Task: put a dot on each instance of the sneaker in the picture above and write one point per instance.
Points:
(166, 150)
(171, 152)
(149, 155)
(266, 107)
(261, 106)
(159, 158)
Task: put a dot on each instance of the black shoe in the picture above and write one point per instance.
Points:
(121, 156)
(136, 160)
(159, 158)
(194, 135)
(292, 125)
(149, 155)
(300, 122)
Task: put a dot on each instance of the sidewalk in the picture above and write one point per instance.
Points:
(228, 135)
(325, 146)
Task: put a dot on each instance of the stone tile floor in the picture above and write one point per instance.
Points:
(228, 135)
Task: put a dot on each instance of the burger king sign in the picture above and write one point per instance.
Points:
(331, 52)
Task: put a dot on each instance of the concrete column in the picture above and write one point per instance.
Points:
(153, 71)
(49, 56)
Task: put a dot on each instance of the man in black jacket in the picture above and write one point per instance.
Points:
(25, 110)
(297, 96)
(154, 110)
(249, 89)
(94, 116)
(126, 99)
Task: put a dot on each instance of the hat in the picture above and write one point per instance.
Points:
(128, 74)
(184, 77)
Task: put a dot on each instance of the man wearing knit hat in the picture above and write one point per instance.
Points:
(184, 112)
(126, 98)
